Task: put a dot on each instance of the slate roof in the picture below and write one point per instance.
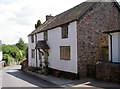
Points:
(70, 15)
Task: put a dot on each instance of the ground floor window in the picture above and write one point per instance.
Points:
(65, 52)
(33, 53)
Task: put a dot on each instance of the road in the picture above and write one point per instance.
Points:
(12, 76)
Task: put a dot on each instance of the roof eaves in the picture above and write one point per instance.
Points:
(117, 5)
(57, 26)
(31, 33)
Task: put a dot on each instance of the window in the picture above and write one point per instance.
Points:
(33, 53)
(46, 35)
(32, 39)
(65, 52)
(65, 31)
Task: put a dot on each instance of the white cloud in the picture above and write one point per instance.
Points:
(17, 17)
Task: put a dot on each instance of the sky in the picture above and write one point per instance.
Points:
(18, 17)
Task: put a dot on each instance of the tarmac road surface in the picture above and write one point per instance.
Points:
(12, 76)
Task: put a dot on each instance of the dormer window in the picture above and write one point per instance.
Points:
(46, 35)
(32, 39)
(64, 31)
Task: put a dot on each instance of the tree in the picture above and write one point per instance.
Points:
(0, 46)
(21, 45)
(38, 24)
(11, 52)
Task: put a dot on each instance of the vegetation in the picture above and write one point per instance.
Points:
(14, 53)
(22, 46)
(38, 24)
(33, 69)
(46, 69)
(0, 46)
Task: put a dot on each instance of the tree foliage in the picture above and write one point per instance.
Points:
(7, 58)
(11, 52)
(38, 24)
(0, 46)
(21, 45)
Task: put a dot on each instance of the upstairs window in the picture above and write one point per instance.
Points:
(46, 35)
(65, 52)
(33, 53)
(64, 31)
(32, 39)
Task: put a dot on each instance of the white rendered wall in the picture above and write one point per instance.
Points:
(55, 41)
(119, 47)
(31, 61)
(115, 47)
(0, 51)
(40, 36)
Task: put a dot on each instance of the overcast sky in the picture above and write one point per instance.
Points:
(17, 17)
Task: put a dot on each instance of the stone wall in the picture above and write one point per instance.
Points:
(90, 37)
(63, 74)
(108, 72)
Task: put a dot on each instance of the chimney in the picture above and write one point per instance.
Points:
(48, 17)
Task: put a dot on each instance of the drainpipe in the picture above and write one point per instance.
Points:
(36, 49)
(111, 46)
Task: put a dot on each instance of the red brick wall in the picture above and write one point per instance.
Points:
(90, 39)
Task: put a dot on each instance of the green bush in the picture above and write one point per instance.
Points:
(7, 58)
(13, 51)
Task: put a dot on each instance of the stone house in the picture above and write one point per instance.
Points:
(73, 41)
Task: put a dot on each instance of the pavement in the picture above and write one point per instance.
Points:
(66, 83)
(52, 79)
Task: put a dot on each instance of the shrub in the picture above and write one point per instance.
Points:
(7, 58)
(33, 69)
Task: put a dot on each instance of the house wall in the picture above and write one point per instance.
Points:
(55, 41)
(31, 61)
(115, 47)
(0, 55)
(90, 37)
(40, 36)
(119, 47)
(0, 50)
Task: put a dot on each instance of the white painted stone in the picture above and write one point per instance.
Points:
(54, 42)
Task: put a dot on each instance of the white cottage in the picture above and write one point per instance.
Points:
(73, 41)
(52, 42)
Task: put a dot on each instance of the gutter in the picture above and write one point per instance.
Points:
(36, 49)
